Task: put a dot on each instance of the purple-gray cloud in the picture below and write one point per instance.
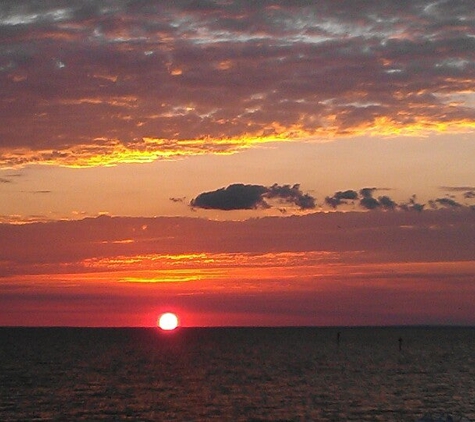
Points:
(245, 197)
(445, 202)
(369, 202)
(233, 197)
(90, 82)
(65, 246)
(341, 197)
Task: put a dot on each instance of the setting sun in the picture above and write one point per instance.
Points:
(168, 321)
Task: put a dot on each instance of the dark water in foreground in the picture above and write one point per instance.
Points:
(236, 374)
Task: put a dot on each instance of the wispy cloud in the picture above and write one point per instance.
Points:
(94, 83)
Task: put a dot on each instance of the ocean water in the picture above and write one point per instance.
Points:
(237, 374)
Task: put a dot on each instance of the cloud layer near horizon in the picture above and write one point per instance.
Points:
(320, 269)
(71, 246)
(97, 83)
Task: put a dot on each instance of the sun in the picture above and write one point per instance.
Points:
(168, 321)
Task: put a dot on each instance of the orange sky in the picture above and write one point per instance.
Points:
(337, 268)
(241, 163)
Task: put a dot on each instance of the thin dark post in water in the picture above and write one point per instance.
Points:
(338, 339)
(400, 343)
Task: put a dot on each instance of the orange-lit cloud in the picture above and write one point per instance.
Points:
(88, 85)
(318, 269)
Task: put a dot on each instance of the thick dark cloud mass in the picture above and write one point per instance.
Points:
(246, 197)
(95, 82)
(234, 197)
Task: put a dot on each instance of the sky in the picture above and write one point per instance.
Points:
(241, 163)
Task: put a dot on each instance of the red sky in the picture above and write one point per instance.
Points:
(238, 162)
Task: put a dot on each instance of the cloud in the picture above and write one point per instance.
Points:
(341, 197)
(468, 191)
(141, 80)
(446, 202)
(234, 197)
(112, 242)
(182, 199)
(245, 197)
(457, 188)
(41, 192)
(387, 203)
(412, 205)
(291, 195)
(367, 201)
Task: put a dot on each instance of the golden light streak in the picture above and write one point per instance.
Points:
(217, 260)
(118, 242)
(111, 152)
(163, 279)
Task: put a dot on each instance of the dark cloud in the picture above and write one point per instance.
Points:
(468, 191)
(367, 192)
(447, 202)
(246, 197)
(233, 197)
(457, 188)
(182, 199)
(292, 195)
(367, 201)
(412, 205)
(130, 80)
(340, 197)
(387, 203)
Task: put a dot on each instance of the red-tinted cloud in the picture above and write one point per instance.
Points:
(318, 269)
(94, 83)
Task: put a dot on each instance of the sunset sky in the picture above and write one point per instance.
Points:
(237, 162)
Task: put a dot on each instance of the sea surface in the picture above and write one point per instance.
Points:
(237, 374)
